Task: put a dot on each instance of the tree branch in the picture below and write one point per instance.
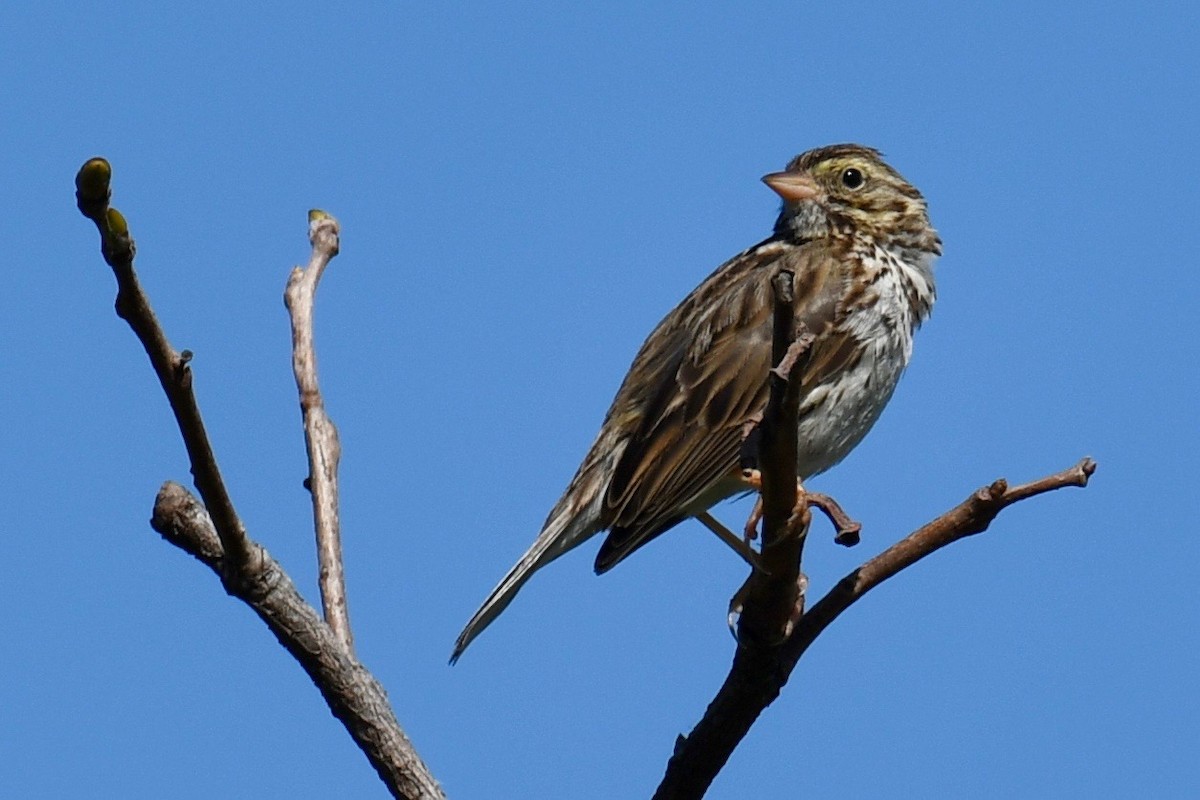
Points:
(92, 196)
(766, 653)
(320, 434)
(968, 518)
(351, 691)
(773, 597)
(214, 533)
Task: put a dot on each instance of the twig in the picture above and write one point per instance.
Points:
(968, 518)
(214, 533)
(92, 195)
(320, 434)
(846, 530)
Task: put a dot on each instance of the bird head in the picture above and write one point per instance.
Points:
(848, 189)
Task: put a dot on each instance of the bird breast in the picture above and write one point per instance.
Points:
(836, 414)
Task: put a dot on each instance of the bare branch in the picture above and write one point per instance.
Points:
(92, 196)
(759, 672)
(320, 434)
(970, 517)
(353, 694)
(774, 631)
(214, 533)
(772, 597)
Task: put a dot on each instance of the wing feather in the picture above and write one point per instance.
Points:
(700, 377)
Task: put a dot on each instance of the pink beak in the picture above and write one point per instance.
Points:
(792, 186)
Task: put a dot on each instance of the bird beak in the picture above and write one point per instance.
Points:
(791, 186)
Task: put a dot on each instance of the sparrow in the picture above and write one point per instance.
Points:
(856, 237)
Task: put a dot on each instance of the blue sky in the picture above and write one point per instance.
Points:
(525, 189)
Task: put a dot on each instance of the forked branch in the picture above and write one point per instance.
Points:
(763, 662)
(353, 694)
(214, 533)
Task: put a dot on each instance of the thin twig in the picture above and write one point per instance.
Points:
(92, 196)
(846, 530)
(970, 517)
(320, 434)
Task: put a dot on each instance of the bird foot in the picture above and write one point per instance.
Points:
(738, 602)
(753, 480)
(846, 530)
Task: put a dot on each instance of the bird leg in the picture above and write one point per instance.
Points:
(742, 548)
(748, 461)
(797, 527)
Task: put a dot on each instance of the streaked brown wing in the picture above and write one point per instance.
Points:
(700, 377)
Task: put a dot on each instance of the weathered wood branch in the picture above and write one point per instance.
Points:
(320, 434)
(214, 534)
(353, 694)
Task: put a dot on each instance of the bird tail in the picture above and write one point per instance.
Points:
(562, 532)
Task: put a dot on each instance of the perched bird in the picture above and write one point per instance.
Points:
(857, 238)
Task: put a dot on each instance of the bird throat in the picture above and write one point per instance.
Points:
(803, 222)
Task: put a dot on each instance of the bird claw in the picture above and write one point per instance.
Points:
(737, 604)
(735, 613)
(750, 531)
(846, 529)
(798, 608)
(753, 479)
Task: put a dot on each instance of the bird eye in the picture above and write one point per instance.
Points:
(852, 178)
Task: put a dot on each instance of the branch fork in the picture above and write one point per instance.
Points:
(213, 532)
(774, 630)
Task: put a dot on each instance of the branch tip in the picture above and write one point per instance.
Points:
(848, 538)
(324, 232)
(1086, 467)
